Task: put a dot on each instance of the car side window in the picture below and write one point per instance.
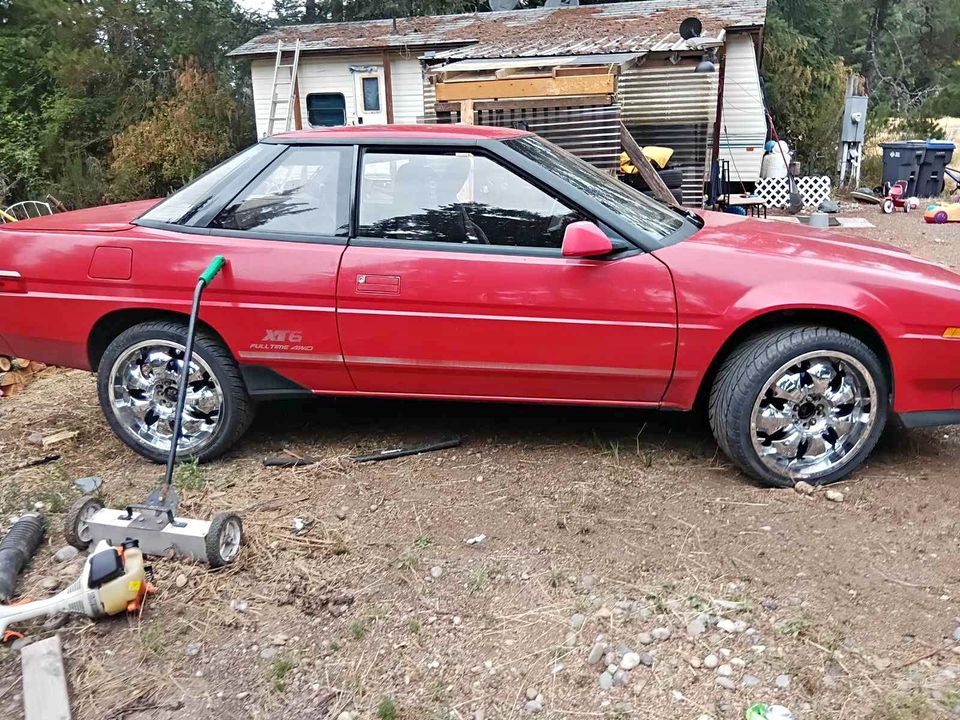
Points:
(305, 191)
(456, 198)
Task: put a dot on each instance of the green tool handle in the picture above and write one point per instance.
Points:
(215, 266)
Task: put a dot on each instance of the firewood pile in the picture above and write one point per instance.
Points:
(17, 373)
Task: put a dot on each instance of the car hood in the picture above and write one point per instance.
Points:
(108, 218)
(811, 246)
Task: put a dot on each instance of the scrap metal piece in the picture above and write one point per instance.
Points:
(403, 452)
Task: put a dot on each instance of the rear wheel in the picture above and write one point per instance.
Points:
(940, 217)
(138, 379)
(799, 403)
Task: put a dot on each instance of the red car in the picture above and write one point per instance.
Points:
(483, 264)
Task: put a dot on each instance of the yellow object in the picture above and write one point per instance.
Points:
(659, 156)
(526, 88)
(126, 592)
(7, 217)
(951, 332)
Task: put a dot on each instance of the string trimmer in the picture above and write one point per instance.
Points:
(113, 580)
(155, 523)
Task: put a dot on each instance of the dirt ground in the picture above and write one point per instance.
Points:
(625, 524)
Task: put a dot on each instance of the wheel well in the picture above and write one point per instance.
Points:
(112, 324)
(850, 324)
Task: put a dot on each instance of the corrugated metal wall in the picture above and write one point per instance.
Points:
(744, 126)
(591, 132)
(670, 105)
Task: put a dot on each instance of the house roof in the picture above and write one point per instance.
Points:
(649, 25)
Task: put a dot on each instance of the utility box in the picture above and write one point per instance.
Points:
(901, 161)
(854, 119)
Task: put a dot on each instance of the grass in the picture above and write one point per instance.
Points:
(387, 709)
(904, 706)
(279, 668)
(358, 630)
(190, 476)
(413, 627)
(153, 640)
(795, 627)
(422, 542)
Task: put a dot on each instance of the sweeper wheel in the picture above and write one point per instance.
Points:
(75, 528)
(223, 539)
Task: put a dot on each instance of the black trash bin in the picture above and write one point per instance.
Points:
(936, 157)
(901, 161)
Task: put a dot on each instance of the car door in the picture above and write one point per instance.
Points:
(454, 286)
(284, 234)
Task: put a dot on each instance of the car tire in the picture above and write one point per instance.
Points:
(794, 389)
(672, 178)
(223, 406)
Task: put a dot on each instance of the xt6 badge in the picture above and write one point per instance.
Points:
(288, 340)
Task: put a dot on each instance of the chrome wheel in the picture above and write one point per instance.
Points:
(814, 414)
(143, 395)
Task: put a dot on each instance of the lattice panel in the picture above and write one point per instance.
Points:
(775, 192)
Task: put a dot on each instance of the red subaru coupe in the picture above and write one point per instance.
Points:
(456, 262)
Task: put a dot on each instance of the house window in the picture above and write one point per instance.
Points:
(326, 109)
(371, 93)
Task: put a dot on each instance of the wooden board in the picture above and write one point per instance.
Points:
(529, 103)
(650, 176)
(531, 87)
(45, 694)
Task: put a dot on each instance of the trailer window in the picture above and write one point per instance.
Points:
(326, 109)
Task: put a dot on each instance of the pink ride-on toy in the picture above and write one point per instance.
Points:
(895, 196)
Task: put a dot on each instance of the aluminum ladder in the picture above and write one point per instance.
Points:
(279, 81)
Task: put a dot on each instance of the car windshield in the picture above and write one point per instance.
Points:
(648, 215)
(180, 207)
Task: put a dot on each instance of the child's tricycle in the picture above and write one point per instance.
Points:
(895, 196)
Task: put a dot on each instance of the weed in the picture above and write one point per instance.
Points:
(358, 630)
(377, 613)
(387, 709)
(190, 476)
(333, 647)
(795, 627)
(153, 640)
(479, 580)
(438, 693)
(423, 542)
(413, 627)
(278, 671)
(408, 561)
(903, 706)
(339, 546)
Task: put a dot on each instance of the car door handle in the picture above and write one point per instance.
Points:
(378, 284)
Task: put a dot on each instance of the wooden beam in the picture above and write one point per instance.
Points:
(575, 70)
(297, 112)
(527, 88)
(388, 88)
(466, 112)
(635, 153)
(44, 682)
(530, 103)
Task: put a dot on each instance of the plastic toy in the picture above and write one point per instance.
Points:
(939, 214)
(895, 196)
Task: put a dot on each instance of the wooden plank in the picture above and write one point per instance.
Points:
(575, 70)
(466, 112)
(633, 151)
(527, 88)
(45, 694)
(529, 103)
(388, 87)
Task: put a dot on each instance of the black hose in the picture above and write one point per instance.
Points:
(16, 549)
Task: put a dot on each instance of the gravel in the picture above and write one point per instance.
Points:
(750, 681)
(49, 583)
(646, 659)
(725, 670)
(726, 683)
(596, 652)
(629, 661)
(645, 638)
(834, 496)
(532, 693)
(436, 571)
(956, 634)
(782, 681)
(696, 627)
(578, 621)
(711, 661)
(662, 633)
(66, 554)
(606, 680)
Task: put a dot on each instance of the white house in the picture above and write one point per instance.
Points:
(571, 74)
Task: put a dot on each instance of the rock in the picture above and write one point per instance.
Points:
(66, 554)
(55, 622)
(782, 681)
(750, 681)
(704, 717)
(694, 662)
(238, 605)
(88, 485)
(533, 706)
(630, 661)
(269, 653)
(956, 634)
(662, 633)
(646, 659)
(738, 662)
(696, 627)
(577, 621)
(881, 663)
(606, 680)
(243, 695)
(623, 649)
(21, 643)
(725, 670)
(645, 638)
(711, 661)
(180, 581)
(436, 571)
(828, 206)
(588, 581)
(345, 715)
(341, 512)
(612, 668)
(770, 604)
(834, 496)
(532, 693)
(726, 683)
(604, 612)
(49, 583)
(192, 650)
(731, 626)
(279, 639)
(476, 540)
(620, 678)
(804, 488)
(478, 714)
(596, 652)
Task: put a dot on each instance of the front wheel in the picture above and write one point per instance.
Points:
(799, 403)
(138, 379)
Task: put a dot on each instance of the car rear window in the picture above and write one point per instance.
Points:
(184, 204)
